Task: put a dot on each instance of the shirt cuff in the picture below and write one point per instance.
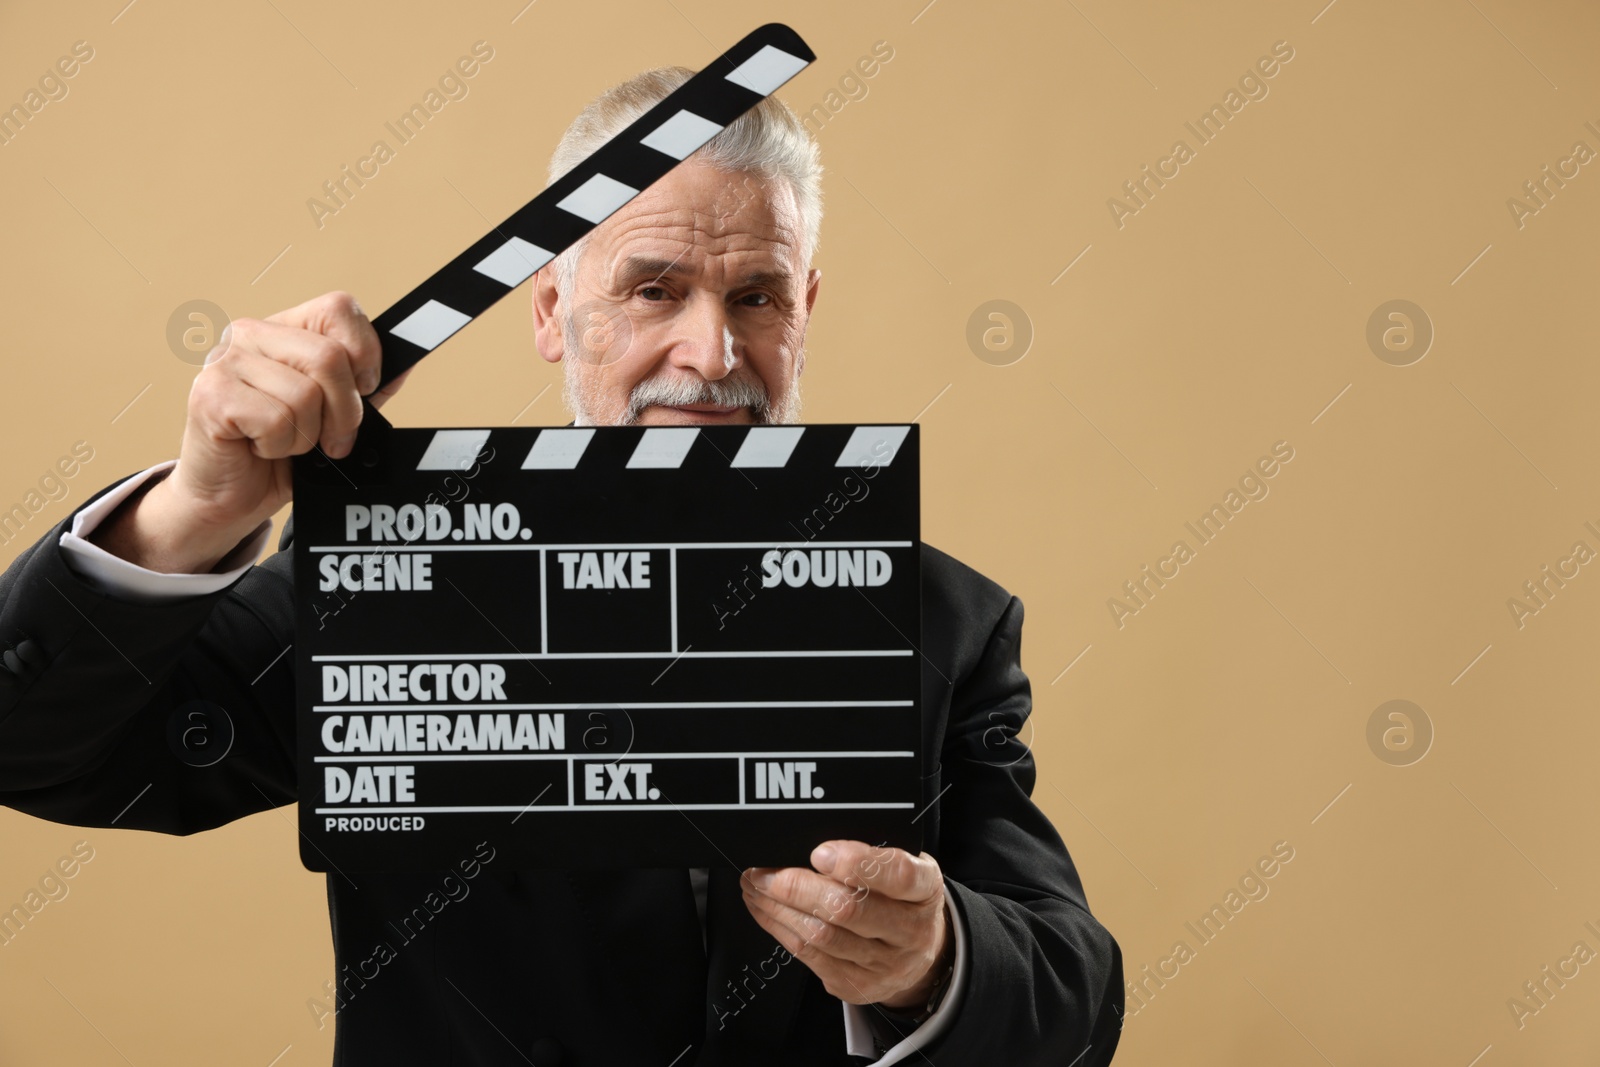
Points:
(117, 577)
(859, 1036)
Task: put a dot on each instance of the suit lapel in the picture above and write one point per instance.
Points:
(649, 955)
(753, 986)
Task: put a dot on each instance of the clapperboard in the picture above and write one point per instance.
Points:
(618, 646)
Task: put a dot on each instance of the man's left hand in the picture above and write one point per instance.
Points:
(868, 921)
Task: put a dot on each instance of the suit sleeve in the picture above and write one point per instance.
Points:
(1044, 982)
(128, 581)
(174, 715)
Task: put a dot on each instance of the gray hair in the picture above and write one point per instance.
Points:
(768, 139)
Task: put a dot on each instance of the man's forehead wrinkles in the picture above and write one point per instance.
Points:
(724, 234)
(686, 221)
(642, 264)
(688, 248)
(637, 264)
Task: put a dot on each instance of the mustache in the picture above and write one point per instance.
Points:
(745, 392)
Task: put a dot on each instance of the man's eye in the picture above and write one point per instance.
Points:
(766, 298)
(651, 289)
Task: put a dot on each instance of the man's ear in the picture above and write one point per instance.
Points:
(813, 284)
(546, 311)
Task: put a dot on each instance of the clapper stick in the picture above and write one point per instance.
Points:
(580, 200)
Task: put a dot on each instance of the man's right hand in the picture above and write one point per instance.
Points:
(272, 389)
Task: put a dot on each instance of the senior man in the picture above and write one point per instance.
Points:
(688, 306)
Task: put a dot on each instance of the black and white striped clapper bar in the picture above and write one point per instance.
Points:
(606, 646)
(573, 205)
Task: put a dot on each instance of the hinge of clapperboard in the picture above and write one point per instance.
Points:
(558, 217)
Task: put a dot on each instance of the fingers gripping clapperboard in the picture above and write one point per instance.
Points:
(616, 646)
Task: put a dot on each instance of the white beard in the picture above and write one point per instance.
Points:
(745, 392)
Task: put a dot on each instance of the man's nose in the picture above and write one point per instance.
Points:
(703, 339)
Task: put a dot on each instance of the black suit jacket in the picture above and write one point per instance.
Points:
(558, 967)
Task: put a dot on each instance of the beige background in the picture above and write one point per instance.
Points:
(1228, 314)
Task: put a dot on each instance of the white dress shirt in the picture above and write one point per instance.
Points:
(866, 1034)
